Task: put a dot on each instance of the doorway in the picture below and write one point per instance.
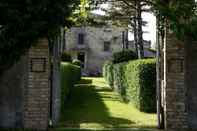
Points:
(81, 57)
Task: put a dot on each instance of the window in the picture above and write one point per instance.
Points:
(81, 39)
(107, 46)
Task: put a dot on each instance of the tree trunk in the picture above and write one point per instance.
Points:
(126, 40)
(158, 79)
(123, 40)
(159, 43)
(139, 30)
(135, 29)
(135, 35)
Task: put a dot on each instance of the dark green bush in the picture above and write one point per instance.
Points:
(66, 57)
(76, 62)
(119, 79)
(70, 74)
(108, 72)
(105, 69)
(141, 79)
(124, 56)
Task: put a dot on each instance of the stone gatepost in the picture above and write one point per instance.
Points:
(37, 93)
(191, 82)
(174, 92)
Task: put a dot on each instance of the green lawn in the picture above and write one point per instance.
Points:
(94, 105)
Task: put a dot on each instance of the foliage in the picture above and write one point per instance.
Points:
(70, 74)
(119, 79)
(141, 79)
(108, 72)
(23, 22)
(120, 13)
(135, 81)
(76, 62)
(128, 13)
(181, 16)
(124, 56)
(66, 57)
(83, 16)
(81, 13)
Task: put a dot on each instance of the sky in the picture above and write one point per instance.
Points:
(150, 28)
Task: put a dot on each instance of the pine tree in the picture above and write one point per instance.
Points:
(129, 13)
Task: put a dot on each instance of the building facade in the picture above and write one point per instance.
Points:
(93, 46)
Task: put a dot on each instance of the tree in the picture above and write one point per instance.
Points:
(181, 16)
(82, 15)
(140, 7)
(129, 12)
(24, 21)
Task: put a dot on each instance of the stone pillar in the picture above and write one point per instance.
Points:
(56, 90)
(191, 82)
(174, 84)
(37, 93)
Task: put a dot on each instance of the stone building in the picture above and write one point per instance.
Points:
(93, 45)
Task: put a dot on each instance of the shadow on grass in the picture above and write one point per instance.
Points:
(85, 81)
(86, 106)
(134, 129)
(106, 89)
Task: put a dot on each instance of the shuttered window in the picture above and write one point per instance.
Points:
(107, 46)
(81, 39)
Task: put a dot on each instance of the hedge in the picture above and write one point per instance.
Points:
(135, 81)
(141, 79)
(108, 72)
(124, 56)
(66, 57)
(76, 62)
(70, 74)
(119, 82)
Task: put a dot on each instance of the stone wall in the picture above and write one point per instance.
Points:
(174, 91)
(37, 93)
(179, 75)
(12, 85)
(25, 90)
(191, 82)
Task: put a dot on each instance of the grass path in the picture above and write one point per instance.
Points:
(94, 105)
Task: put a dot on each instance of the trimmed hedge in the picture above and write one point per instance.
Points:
(119, 82)
(66, 57)
(70, 74)
(124, 56)
(108, 72)
(135, 81)
(76, 62)
(141, 79)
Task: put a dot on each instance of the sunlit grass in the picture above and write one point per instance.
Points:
(94, 105)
